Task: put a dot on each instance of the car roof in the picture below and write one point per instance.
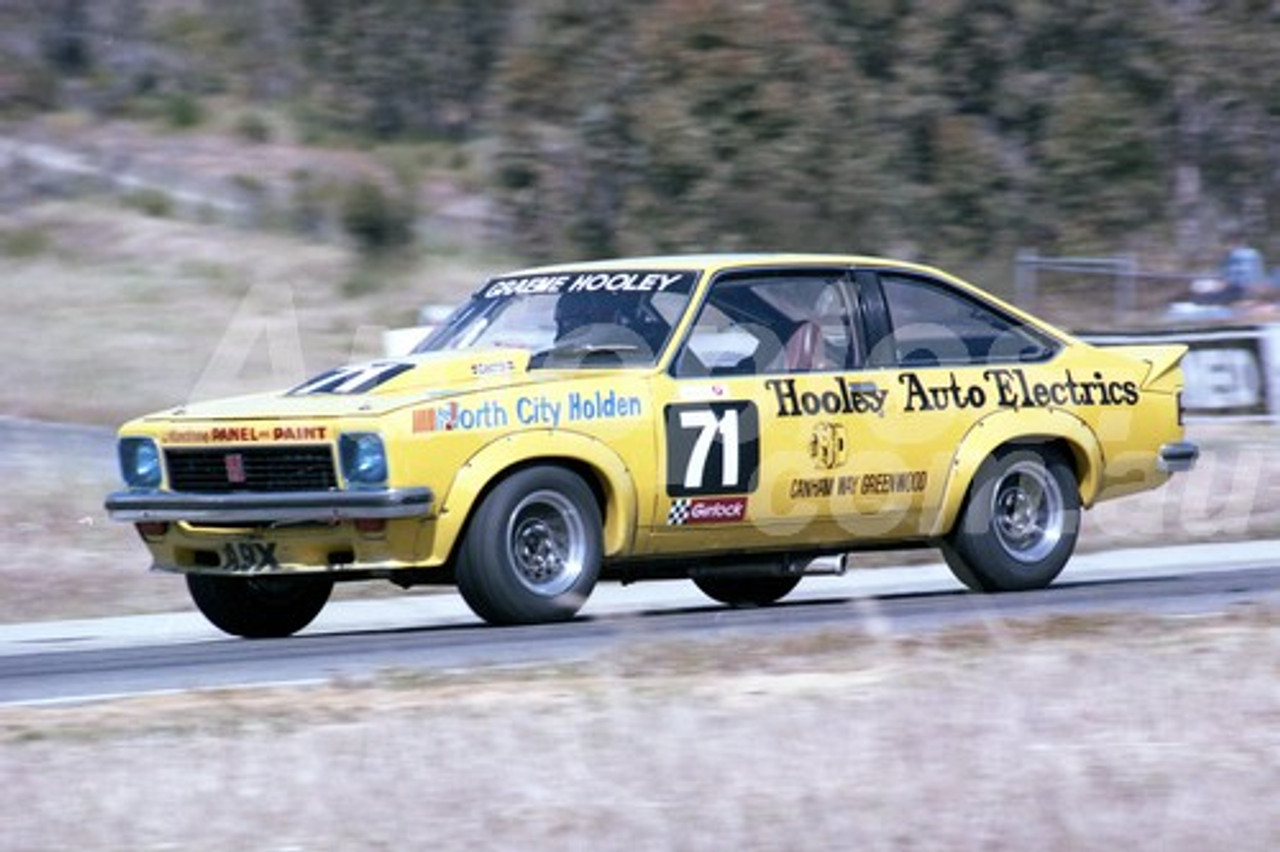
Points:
(716, 262)
(720, 261)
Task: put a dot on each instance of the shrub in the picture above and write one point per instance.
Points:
(152, 202)
(183, 111)
(24, 243)
(252, 127)
(377, 221)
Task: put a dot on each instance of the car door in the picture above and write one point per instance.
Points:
(763, 430)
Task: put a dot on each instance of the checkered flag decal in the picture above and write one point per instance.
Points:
(679, 513)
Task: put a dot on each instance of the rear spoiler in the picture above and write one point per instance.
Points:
(1162, 358)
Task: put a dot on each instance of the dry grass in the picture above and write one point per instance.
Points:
(1157, 734)
(117, 314)
(1232, 495)
(63, 559)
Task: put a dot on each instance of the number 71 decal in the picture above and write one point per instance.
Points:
(712, 448)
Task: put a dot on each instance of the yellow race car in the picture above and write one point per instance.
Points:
(724, 418)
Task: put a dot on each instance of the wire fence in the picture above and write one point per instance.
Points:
(1097, 293)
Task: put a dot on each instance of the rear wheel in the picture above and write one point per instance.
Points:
(532, 550)
(1019, 523)
(259, 607)
(746, 591)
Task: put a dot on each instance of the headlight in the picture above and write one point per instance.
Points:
(364, 460)
(140, 462)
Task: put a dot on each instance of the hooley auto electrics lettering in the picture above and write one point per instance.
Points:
(1012, 388)
(1003, 387)
(844, 397)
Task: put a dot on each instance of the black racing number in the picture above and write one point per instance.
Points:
(712, 448)
(360, 378)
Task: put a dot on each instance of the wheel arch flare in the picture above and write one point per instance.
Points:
(603, 470)
(1041, 428)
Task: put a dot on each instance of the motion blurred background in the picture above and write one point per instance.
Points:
(199, 197)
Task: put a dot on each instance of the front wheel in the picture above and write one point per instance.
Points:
(1019, 523)
(532, 550)
(259, 607)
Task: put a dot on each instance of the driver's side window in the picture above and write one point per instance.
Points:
(772, 324)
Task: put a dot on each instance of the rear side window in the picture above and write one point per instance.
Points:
(936, 325)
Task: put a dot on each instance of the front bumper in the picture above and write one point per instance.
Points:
(1177, 457)
(284, 507)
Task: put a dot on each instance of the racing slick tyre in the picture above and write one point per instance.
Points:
(532, 550)
(746, 591)
(259, 607)
(1019, 523)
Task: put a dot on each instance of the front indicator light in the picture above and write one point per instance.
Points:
(152, 529)
(140, 462)
(371, 526)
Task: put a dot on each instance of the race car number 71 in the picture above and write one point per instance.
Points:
(712, 448)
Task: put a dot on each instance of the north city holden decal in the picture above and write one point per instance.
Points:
(713, 460)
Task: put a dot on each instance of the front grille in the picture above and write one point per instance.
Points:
(254, 469)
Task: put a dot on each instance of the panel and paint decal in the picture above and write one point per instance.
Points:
(296, 433)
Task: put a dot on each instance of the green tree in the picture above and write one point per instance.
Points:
(66, 37)
(564, 90)
(386, 68)
(1100, 178)
(753, 132)
(680, 126)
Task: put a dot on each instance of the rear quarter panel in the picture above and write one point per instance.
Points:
(1112, 411)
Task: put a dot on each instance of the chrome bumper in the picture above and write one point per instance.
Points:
(283, 506)
(1179, 457)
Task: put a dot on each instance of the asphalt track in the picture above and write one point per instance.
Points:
(56, 662)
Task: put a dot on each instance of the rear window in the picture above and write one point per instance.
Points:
(936, 325)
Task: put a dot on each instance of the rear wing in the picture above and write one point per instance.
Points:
(1163, 372)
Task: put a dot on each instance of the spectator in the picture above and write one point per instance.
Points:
(1242, 272)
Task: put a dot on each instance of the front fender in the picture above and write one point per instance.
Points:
(1020, 427)
(572, 449)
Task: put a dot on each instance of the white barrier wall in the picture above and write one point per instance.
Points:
(400, 341)
(1271, 361)
(1230, 372)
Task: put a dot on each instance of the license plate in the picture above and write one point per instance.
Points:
(243, 556)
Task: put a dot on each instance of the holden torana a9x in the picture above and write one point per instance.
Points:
(726, 418)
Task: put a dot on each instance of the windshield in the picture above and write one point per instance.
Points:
(572, 319)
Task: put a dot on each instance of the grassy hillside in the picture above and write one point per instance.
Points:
(113, 312)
